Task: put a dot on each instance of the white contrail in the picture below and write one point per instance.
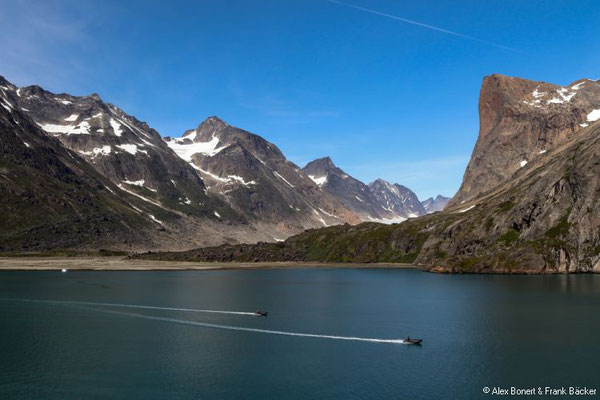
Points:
(256, 330)
(86, 303)
(434, 28)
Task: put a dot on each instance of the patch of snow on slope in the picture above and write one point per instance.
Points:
(323, 222)
(72, 118)
(187, 150)
(82, 129)
(140, 196)
(523, 163)
(135, 183)
(319, 180)
(388, 221)
(241, 180)
(542, 151)
(116, 127)
(217, 214)
(154, 219)
(131, 148)
(104, 150)
(359, 199)
(467, 209)
(594, 116)
(326, 213)
(584, 125)
(65, 102)
(282, 178)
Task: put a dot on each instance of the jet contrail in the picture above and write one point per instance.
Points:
(434, 28)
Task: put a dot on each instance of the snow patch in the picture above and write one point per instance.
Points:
(187, 150)
(594, 116)
(154, 219)
(72, 118)
(282, 178)
(542, 151)
(388, 221)
(116, 127)
(319, 180)
(82, 129)
(217, 214)
(131, 148)
(467, 209)
(104, 150)
(359, 199)
(523, 163)
(135, 183)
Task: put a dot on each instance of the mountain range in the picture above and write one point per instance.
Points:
(78, 172)
(529, 201)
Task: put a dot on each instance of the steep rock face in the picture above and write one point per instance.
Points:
(255, 179)
(50, 197)
(520, 120)
(438, 203)
(397, 199)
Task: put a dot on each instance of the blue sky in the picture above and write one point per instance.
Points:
(382, 96)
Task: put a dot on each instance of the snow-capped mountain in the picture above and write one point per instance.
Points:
(255, 179)
(126, 151)
(215, 184)
(380, 201)
(397, 199)
(438, 203)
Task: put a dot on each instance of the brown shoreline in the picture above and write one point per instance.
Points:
(125, 264)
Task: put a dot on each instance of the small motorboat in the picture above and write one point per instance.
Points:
(261, 313)
(408, 340)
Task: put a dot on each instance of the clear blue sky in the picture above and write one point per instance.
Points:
(383, 97)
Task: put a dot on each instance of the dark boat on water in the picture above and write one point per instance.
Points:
(408, 340)
(261, 313)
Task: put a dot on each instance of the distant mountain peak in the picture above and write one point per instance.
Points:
(212, 124)
(324, 163)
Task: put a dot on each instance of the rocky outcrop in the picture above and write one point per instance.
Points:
(520, 120)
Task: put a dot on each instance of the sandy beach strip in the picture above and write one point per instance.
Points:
(125, 264)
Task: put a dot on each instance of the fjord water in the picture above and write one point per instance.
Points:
(478, 331)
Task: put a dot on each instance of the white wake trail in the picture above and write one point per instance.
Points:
(204, 324)
(256, 330)
(87, 303)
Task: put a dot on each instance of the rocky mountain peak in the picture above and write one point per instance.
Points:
(210, 126)
(520, 120)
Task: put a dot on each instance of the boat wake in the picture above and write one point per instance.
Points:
(87, 303)
(92, 305)
(256, 330)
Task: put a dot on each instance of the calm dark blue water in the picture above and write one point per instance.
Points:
(478, 331)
